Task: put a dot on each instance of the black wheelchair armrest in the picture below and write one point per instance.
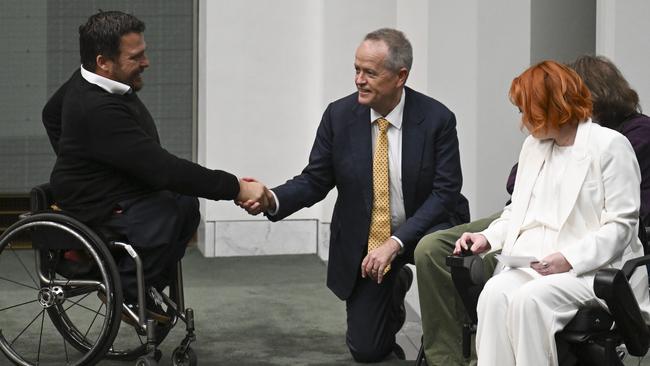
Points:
(612, 286)
(471, 264)
(468, 275)
(632, 264)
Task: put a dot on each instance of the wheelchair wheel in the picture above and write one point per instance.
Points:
(50, 313)
(184, 358)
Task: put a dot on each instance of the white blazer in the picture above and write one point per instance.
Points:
(598, 209)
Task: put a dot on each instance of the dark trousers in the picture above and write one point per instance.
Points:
(373, 317)
(373, 310)
(158, 226)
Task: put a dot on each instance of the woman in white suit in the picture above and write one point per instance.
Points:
(575, 207)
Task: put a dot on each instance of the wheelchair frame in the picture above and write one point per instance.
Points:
(43, 225)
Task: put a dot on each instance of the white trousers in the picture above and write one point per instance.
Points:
(519, 312)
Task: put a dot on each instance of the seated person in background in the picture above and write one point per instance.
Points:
(615, 105)
(111, 170)
(575, 207)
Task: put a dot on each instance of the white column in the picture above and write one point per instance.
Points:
(623, 38)
(504, 34)
(259, 95)
(412, 19)
(475, 50)
(452, 76)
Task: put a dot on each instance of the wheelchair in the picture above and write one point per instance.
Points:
(65, 305)
(595, 336)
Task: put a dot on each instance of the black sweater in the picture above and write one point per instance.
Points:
(108, 150)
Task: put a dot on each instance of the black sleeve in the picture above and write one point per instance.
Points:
(116, 139)
(52, 116)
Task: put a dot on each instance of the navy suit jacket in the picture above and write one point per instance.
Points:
(341, 157)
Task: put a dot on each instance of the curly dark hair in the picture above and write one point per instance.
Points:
(613, 98)
(101, 35)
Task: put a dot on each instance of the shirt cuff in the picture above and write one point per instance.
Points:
(277, 205)
(400, 244)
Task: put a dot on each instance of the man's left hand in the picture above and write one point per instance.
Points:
(375, 263)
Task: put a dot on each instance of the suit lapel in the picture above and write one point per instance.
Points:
(360, 142)
(413, 139)
(576, 172)
(524, 183)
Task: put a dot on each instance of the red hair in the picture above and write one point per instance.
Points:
(549, 95)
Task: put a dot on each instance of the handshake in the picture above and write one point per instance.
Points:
(254, 197)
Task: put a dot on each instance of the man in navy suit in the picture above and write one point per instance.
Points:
(424, 178)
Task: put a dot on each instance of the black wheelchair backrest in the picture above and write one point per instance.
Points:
(40, 197)
(44, 237)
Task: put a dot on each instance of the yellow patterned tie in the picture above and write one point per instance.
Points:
(380, 224)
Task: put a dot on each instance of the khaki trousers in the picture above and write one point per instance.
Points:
(442, 310)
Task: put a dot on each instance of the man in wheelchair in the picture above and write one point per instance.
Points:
(111, 171)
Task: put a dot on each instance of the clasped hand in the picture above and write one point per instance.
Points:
(254, 197)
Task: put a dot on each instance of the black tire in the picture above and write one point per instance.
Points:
(74, 303)
(187, 358)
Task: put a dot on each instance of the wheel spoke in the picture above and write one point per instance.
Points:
(65, 349)
(18, 283)
(13, 306)
(76, 302)
(40, 338)
(24, 266)
(28, 325)
(94, 318)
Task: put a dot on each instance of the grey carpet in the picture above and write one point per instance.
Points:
(272, 310)
(265, 311)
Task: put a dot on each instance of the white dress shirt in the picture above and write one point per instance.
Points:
(111, 86)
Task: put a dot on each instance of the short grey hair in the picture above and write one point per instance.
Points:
(400, 52)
